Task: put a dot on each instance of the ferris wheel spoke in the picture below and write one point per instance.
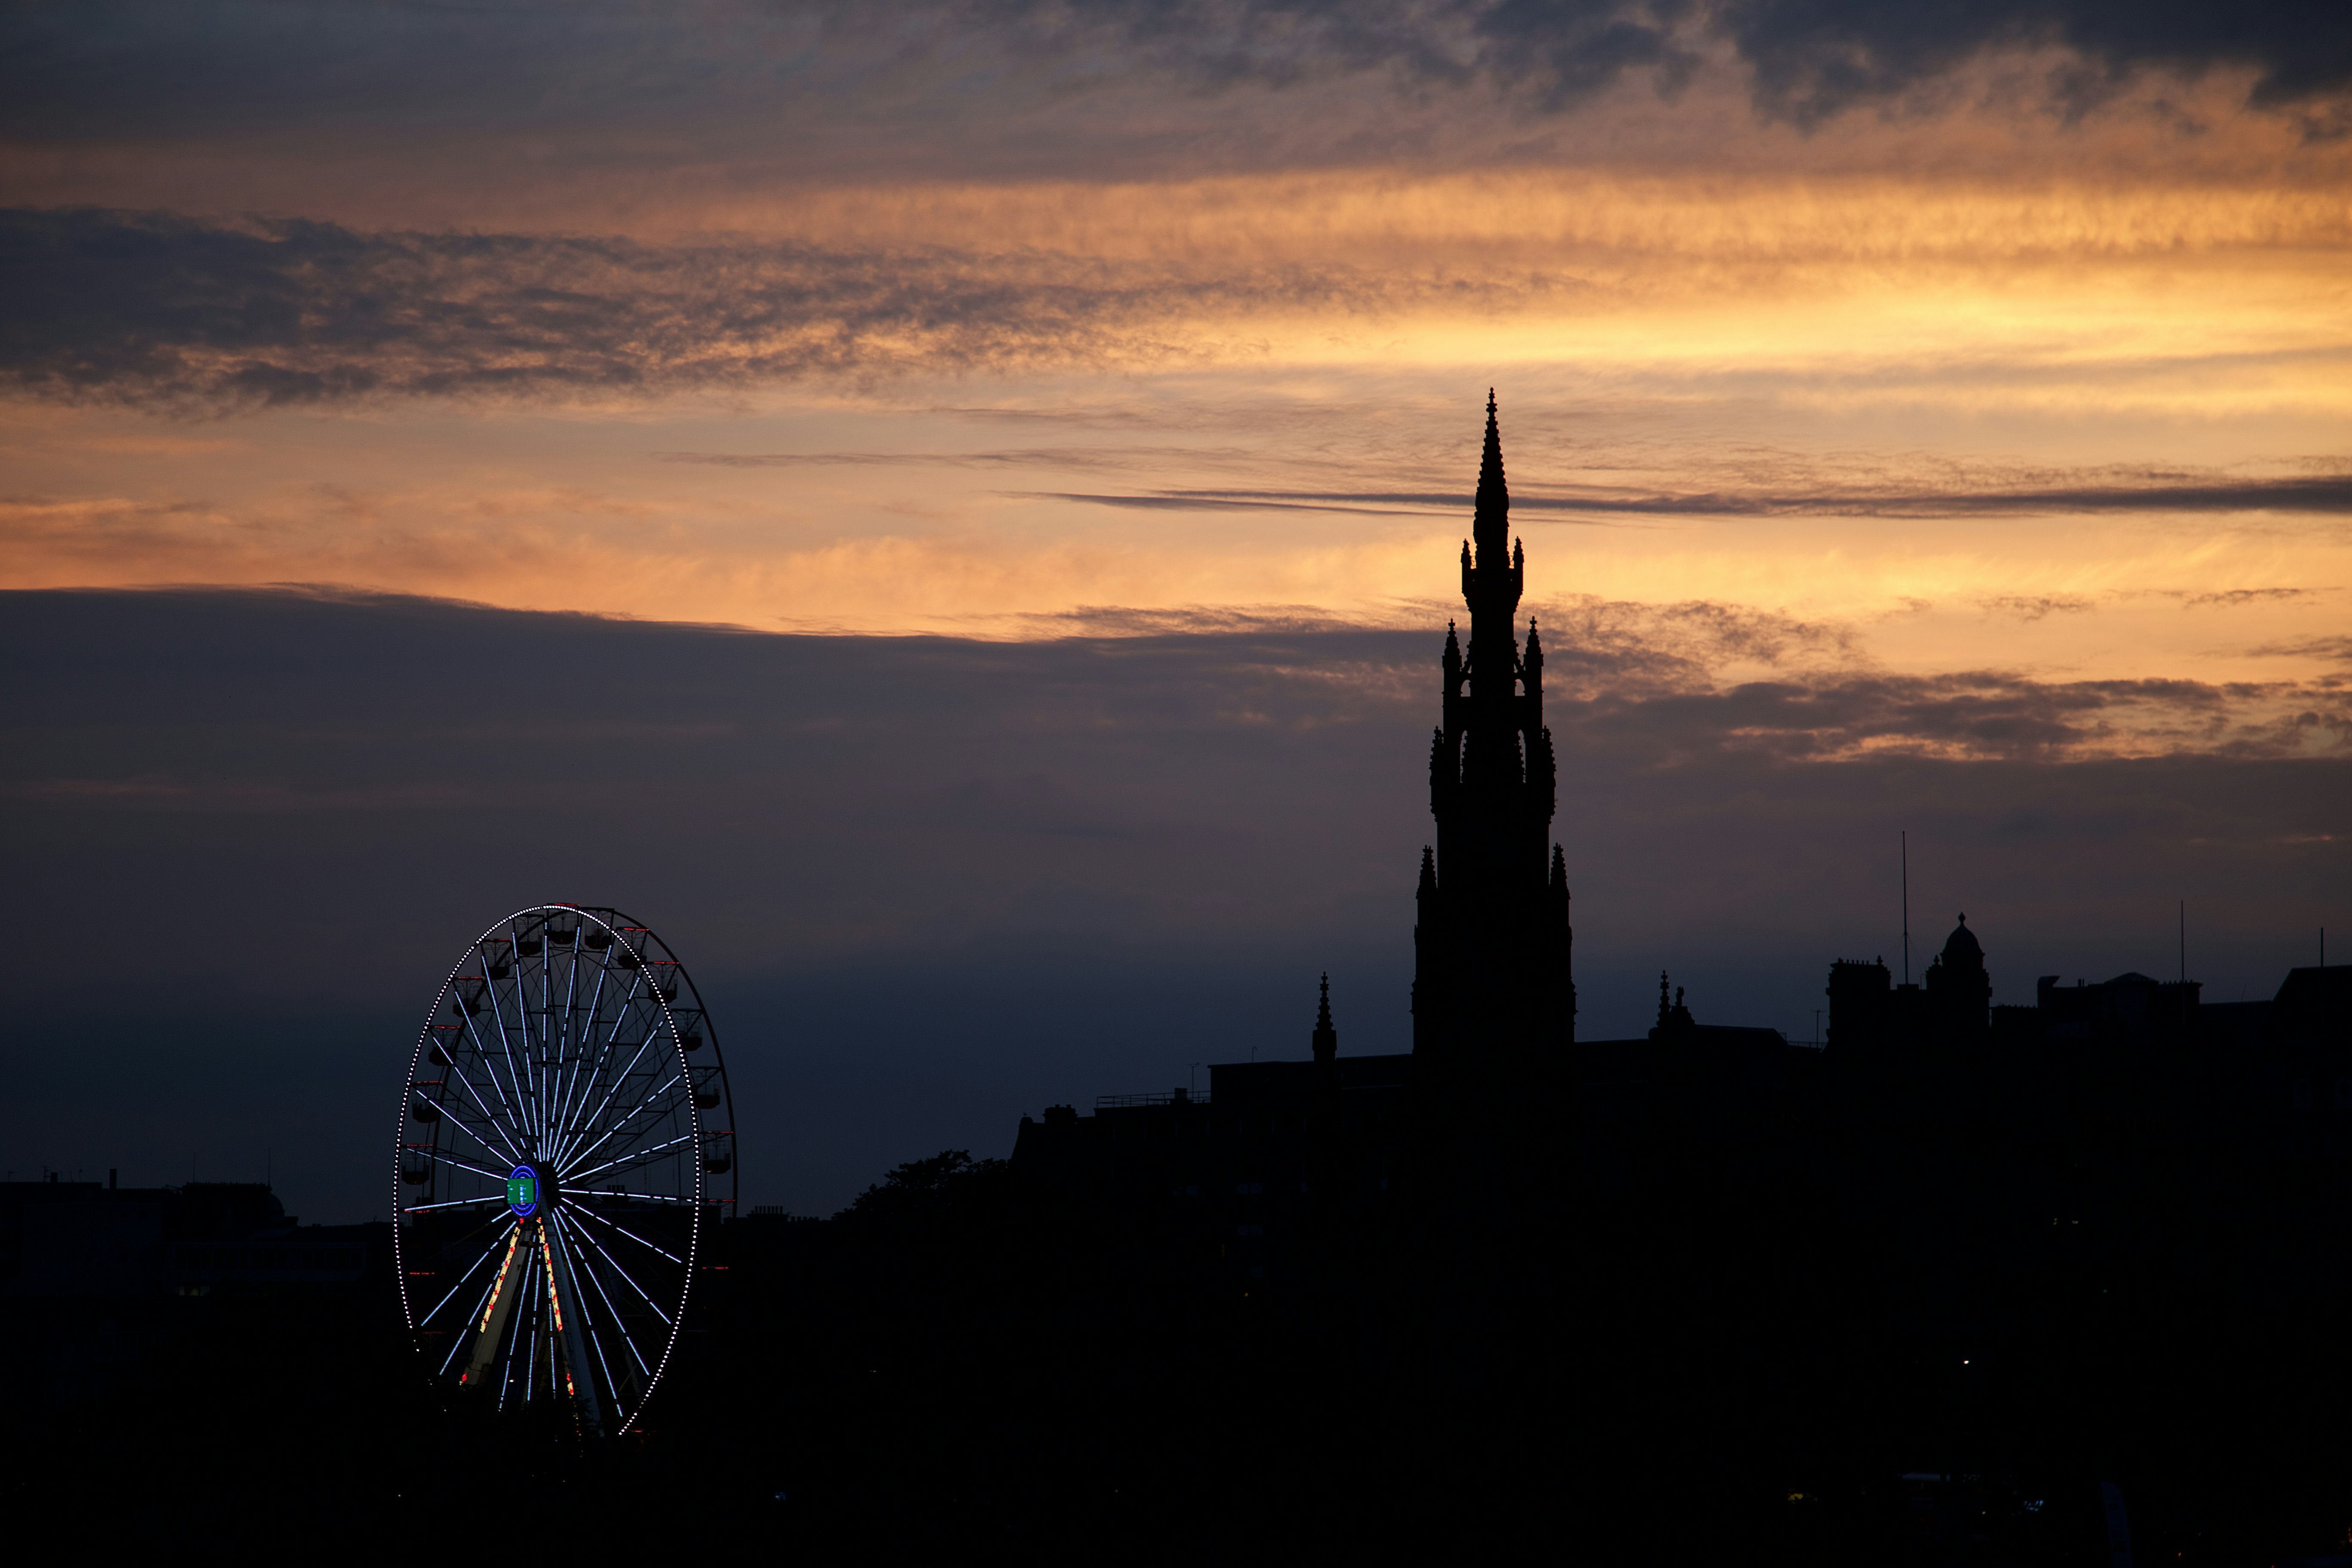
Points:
(571, 1079)
(459, 1340)
(481, 1053)
(624, 1011)
(645, 1197)
(655, 1028)
(570, 1022)
(495, 1306)
(525, 1085)
(638, 1155)
(474, 1095)
(596, 1344)
(539, 1048)
(487, 1254)
(503, 1136)
(515, 1122)
(629, 1279)
(554, 1031)
(456, 1203)
(571, 1121)
(452, 1160)
(643, 1046)
(620, 1324)
(583, 1321)
(633, 1236)
(526, 1302)
(528, 1066)
(650, 1128)
(652, 1102)
(532, 1026)
(563, 1104)
(506, 1046)
(596, 1007)
(511, 1337)
(466, 1126)
(621, 1017)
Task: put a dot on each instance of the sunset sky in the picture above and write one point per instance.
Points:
(1882, 385)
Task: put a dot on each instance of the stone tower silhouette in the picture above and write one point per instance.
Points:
(1492, 947)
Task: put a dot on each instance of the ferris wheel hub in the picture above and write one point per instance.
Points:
(530, 1189)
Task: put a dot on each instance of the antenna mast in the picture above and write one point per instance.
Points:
(1907, 907)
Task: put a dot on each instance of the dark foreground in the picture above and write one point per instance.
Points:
(1730, 1342)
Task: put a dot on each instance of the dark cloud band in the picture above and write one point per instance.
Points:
(1647, 682)
(316, 797)
(156, 309)
(111, 68)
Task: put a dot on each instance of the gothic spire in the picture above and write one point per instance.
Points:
(1492, 523)
(1491, 940)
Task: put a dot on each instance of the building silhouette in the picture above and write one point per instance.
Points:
(1953, 1008)
(107, 1278)
(1470, 1135)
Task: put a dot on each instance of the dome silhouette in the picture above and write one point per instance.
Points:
(1962, 944)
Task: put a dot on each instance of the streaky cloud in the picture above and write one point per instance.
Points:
(1206, 503)
(1035, 457)
(2324, 493)
(2038, 606)
(2239, 598)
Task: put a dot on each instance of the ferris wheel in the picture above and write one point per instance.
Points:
(565, 1136)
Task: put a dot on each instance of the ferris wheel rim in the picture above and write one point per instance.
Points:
(540, 1143)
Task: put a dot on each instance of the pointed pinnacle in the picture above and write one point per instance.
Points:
(1493, 498)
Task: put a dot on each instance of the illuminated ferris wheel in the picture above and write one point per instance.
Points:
(566, 1138)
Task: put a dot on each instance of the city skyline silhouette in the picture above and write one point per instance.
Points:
(1315, 690)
